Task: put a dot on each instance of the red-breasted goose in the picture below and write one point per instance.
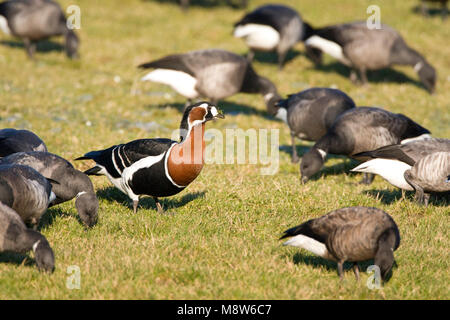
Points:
(157, 167)
(16, 237)
(421, 165)
(67, 182)
(12, 141)
(358, 130)
(353, 234)
(213, 74)
(310, 113)
(271, 27)
(26, 191)
(35, 20)
(361, 48)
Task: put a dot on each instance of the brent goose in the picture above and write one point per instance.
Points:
(157, 167)
(361, 48)
(214, 74)
(310, 113)
(358, 130)
(349, 234)
(16, 237)
(272, 27)
(12, 141)
(26, 191)
(67, 182)
(420, 165)
(35, 20)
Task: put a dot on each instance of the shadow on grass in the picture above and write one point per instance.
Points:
(430, 12)
(228, 108)
(272, 57)
(17, 259)
(111, 194)
(375, 76)
(42, 46)
(318, 262)
(50, 215)
(235, 4)
(391, 196)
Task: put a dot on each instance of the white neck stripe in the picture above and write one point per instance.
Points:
(79, 194)
(35, 245)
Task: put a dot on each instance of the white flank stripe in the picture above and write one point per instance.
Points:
(258, 36)
(391, 170)
(181, 82)
(127, 174)
(114, 161)
(421, 137)
(4, 25)
(309, 244)
(329, 47)
(120, 157)
(79, 194)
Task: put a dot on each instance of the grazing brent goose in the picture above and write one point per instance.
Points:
(310, 113)
(35, 20)
(271, 27)
(16, 237)
(361, 48)
(12, 141)
(67, 182)
(357, 130)
(26, 191)
(157, 167)
(349, 234)
(420, 165)
(214, 74)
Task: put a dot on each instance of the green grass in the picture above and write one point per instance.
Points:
(223, 241)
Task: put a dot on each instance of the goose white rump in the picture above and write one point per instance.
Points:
(329, 47)
(181, 82)
(258, 36)
(309, 244)
(4, 25)
(391, 170)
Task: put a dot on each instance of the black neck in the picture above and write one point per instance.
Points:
(308, 31)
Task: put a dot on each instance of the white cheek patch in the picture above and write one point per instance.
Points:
(4, 25)
(214, 111)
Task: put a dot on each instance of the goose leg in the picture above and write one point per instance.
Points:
(356, 270)
(158, 205)
(295, 158)
(250, 55)
(354, 77)
(420, 196)
(367, 178)
(340, 266)
(281, 58)
(135, 206)
(363, 76)
(30, 47)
